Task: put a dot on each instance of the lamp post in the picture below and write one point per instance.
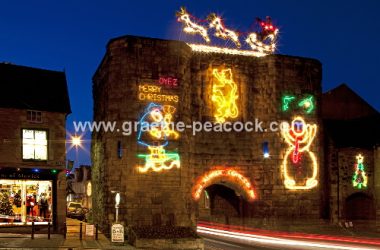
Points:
(117, 203)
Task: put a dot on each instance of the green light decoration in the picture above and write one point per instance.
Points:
(286, 100)
(53, 171)
(359, 180)
(308, 104)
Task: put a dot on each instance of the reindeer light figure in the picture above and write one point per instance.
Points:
(190, 26)
(221, 31)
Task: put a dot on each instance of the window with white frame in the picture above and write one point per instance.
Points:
(34, 144)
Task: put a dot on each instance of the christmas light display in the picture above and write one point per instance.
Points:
(307, 104)
(148, 92)
(264, 41)
(261, 43)
(221, 31)
(219, 50)
(299, 136)
(286, 100)
(224, 95)
(359, 180)
(191, 27)
(222, 174)
(156, 122)
(159, 160)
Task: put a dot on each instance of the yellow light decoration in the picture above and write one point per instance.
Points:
(299, 137)
(221, 31)
(191, 27)
(208, 178)
(164, 131)
(224, 95)
(159, 160)
(257, 45)
(219, 50)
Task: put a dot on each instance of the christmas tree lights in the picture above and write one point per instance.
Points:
(217, 175)
(359, 180)
(299, 136)
(224, 95)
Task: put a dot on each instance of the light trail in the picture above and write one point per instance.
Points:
(275, 241)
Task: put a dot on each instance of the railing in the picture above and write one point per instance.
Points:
(80, 232)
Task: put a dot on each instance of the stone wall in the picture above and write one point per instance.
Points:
(132, 61)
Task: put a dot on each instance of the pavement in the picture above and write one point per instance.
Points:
(57, 241)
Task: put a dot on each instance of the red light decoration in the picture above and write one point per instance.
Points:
(168, 81)
(232, 175)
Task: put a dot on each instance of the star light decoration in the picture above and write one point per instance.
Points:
(261, 43)
(215, 175)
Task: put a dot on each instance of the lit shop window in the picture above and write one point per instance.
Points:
(34, 116)
(34, 144)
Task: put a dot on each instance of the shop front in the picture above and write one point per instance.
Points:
(27, 195)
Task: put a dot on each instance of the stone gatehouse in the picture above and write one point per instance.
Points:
(162, 174)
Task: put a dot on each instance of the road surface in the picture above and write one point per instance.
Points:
(230, 239)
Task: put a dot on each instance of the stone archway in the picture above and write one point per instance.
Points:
(228, 177)
(359, 206)
(223, 194)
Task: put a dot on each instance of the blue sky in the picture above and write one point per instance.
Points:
(71, 35)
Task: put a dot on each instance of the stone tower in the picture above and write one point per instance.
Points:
(162, 173)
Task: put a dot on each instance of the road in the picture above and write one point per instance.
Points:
(221, 239)
(217, 244)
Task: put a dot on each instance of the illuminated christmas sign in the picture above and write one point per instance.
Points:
(299, 136)
(217, 175)
(224, 95)
(261, 43)
(154, 132)
(359, 180)
(153, 93)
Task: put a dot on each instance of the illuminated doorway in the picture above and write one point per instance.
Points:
(25, 201)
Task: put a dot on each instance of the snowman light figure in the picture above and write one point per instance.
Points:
(299, 136)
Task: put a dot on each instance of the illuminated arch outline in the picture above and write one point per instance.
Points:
(206, 180)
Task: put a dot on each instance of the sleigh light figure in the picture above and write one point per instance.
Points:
(156, 123)
(261, 43)
(299, 136)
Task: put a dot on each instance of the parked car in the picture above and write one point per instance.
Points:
(72, 206)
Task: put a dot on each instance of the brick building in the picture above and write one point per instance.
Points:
(352, 128)
(34, 104)
(162, 179)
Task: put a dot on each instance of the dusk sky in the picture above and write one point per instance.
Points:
(72, 35)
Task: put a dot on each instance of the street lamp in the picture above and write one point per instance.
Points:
(76, 141)
(117, 203)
